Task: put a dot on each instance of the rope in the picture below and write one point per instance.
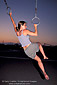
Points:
(36, 3)
(6, 3)
(8, 8)
(36, 8)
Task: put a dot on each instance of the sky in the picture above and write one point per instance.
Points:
(25, 10)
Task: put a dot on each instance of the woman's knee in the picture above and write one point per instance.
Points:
(37, 59)
(39, 43)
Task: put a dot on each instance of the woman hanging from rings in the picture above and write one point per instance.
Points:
(29, 48)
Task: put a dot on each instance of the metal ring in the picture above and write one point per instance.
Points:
(8, 10)
(36, 21)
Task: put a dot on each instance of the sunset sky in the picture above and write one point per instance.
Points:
(25, 10)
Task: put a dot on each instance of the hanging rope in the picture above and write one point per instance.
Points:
(36, 8)
(36, 20)
(8, 9)
(6, 3)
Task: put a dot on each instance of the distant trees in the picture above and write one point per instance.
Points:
(10, 47)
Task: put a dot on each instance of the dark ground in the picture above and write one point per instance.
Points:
(24, 72)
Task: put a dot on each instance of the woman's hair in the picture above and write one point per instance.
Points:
(19, 25)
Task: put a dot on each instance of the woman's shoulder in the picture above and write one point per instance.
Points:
(17, 33)
(25, 31)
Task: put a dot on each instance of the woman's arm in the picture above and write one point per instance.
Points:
(12, 21)
(33, 33)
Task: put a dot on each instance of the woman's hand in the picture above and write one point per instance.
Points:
(35, 25)
(10, 13)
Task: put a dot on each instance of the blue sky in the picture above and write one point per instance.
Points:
(25, 10)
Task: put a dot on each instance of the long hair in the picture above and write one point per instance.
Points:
(19, 25)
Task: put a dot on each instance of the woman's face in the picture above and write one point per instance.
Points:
(24, 26)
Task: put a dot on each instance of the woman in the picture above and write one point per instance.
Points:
(29, 48)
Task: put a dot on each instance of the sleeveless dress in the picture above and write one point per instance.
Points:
(31, 50)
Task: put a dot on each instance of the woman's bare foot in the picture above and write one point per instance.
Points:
(45, 57)
(46, 76)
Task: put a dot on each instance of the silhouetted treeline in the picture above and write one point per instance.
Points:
(7, 47)
(17, 51)
(11, 51)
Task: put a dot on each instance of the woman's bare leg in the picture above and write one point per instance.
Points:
(41, 50)
(41, 66)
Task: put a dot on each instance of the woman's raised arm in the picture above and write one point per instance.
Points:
(13, 21)
(33, 33)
